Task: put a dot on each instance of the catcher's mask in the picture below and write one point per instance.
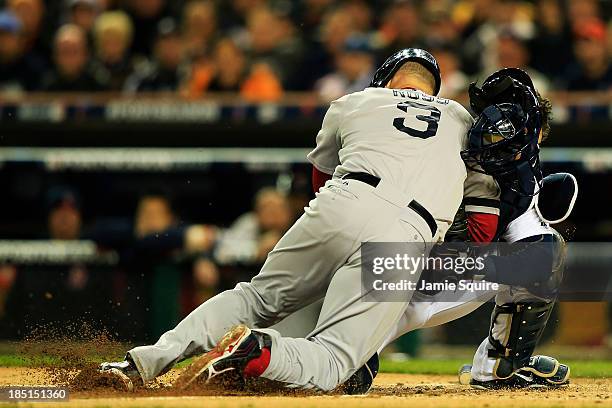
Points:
(504, 140)
(386, 71)
(502, 145)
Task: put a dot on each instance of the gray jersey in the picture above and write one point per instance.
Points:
(408, 138)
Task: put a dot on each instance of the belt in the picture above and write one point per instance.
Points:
(414, 204)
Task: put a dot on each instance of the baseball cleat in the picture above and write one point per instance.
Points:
(226, 363)
(361, 381)
(541, 372)
(124, 372)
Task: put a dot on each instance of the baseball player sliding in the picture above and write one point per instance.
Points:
(391, 154)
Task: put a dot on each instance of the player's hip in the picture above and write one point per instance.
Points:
(353, 203)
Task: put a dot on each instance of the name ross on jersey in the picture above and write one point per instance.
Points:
(409, 93)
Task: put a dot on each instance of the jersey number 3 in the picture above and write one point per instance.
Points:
(432, 120)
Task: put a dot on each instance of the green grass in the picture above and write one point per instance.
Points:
(420, 366)
(12, 360)
(579, 368)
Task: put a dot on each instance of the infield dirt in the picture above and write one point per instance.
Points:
(390, 390)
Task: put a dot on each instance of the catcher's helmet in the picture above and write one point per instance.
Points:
(502, 145)
(511, 85)
(386, 71)
(504, 140)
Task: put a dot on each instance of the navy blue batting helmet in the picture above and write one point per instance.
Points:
(386, 71)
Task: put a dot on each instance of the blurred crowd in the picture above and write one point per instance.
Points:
(166, 266)
(262, 48)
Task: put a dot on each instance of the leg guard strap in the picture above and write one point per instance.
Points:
(521, 332)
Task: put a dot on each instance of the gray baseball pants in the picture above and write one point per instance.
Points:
(318, 258)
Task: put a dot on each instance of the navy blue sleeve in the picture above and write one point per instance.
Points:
(531, 262)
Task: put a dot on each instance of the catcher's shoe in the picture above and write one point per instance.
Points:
(541, 372)
(361, 381)
(240, 353)
(124, 371)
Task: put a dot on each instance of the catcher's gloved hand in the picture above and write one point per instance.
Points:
(451, 262)
(434, 272)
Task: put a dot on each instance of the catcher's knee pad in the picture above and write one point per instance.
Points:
(515, 331)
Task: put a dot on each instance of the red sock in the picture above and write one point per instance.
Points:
(257, 366)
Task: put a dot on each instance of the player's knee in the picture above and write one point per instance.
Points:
(264, 304)
(336, 373)
(339, 366)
